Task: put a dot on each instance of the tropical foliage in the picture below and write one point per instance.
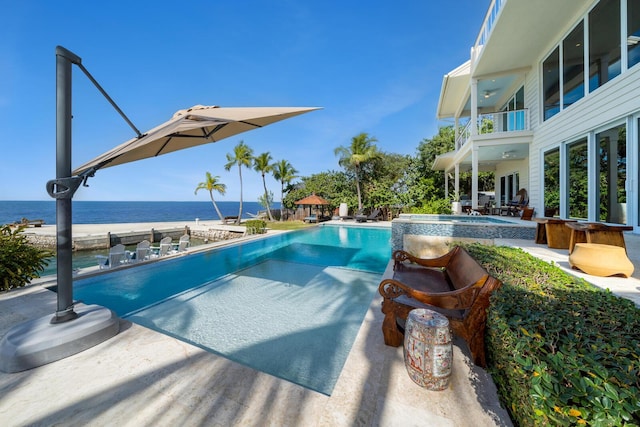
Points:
(354, 157)
(284, 173)
(242, 156)
(20, 262)
(211, 184)
(262, 164)
(561, 351)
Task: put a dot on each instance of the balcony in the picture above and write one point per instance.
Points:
(496, 123)
(489, 21)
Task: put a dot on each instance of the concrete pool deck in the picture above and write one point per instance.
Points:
(142, 377)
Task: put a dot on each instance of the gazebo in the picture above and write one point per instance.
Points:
(312, 200)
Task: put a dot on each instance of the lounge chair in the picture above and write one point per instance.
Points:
(311, 218)
(117, 256)
(371, 217)
(142, 252)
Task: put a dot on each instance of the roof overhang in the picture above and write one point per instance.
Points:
(524, 31)
(455, 84)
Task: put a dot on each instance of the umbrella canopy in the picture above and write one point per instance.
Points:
(189, 128)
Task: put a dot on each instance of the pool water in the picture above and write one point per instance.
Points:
(289, 305)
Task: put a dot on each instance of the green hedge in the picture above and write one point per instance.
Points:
(561, 351)
(256, 226)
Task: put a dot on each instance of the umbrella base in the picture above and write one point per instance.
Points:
(38, 342)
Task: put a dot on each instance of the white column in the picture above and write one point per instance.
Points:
(474, 177)
(474, 107)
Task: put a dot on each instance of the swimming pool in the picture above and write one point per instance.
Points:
(289, 305)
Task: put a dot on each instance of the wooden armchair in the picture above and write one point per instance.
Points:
(454, 285)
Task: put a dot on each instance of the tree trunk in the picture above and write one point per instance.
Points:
(266, 198)
(240, 211)
(215, 205)
(281, 201)
(358, 188)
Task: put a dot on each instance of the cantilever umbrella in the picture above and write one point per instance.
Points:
(188, 128)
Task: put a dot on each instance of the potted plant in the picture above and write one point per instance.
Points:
(456, 206)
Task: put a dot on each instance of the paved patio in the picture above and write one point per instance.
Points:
(142, 378)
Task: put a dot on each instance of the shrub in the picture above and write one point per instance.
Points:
(561, 351)
(19, 261)
(256, 226)
(436, 206)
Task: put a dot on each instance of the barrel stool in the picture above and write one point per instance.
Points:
(601, 260)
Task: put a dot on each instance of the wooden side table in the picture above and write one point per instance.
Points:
(597, 232)
(553, 232)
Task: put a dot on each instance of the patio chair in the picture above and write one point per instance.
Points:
(163, 249)
(527, 214)
(371, 217)
(117, 256)
(183, 244)
(142, 252)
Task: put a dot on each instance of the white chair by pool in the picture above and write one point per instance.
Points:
(117, 256)
(143, 251)
(163, 249)
(183, 243)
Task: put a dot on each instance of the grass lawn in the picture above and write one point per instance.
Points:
(288, 225)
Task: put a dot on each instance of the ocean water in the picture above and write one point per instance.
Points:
(85, 212)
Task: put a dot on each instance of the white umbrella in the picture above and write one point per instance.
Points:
(189, 128)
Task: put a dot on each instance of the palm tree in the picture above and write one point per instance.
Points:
(262, 164)
(211, 184)
(285, 173)
(362, 150)
(241, 156)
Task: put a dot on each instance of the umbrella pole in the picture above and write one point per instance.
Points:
(44, 340)
(64, 212)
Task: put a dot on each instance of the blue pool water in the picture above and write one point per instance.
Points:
(289, 305)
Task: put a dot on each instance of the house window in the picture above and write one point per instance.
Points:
(612, 150)
(633, 32)
(551, 84)
(604, 43)
(578, 184)
(573, 66)
(552, 183)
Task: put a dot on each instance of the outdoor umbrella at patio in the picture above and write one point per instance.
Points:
(312, 200)
(189, 128)
(44, 340)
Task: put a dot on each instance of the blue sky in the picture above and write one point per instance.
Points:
(372, 66)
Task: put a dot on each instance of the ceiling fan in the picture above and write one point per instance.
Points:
(489, 93)
(509, 155)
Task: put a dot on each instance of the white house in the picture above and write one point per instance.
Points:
(550, 101)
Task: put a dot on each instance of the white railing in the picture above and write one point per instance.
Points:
(489, 21)
(498, 122)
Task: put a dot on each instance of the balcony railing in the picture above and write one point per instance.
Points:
(489, 21)
(494, 123)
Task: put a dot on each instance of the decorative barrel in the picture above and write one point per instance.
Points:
(428, 354)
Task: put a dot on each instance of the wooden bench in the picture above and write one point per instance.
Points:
(228, 219)
(454, 285)
(553, 232)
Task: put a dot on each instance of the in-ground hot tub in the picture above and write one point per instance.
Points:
(451, 227)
